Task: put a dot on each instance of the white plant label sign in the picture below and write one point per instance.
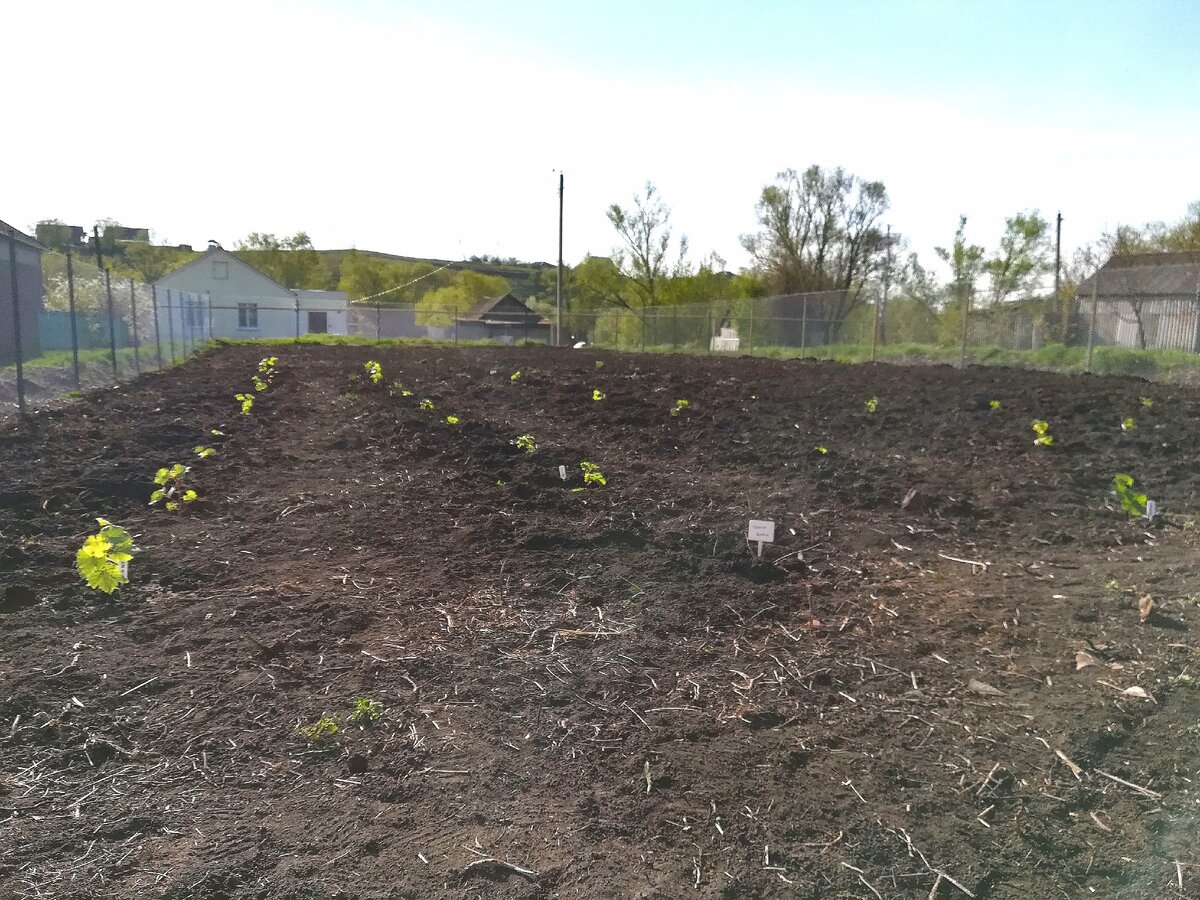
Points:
(124, 564)
(562, 472)
(761, 531)
(1151, 509)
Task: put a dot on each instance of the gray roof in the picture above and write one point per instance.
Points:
(22, 237)
(1146, 274)
(486, 311)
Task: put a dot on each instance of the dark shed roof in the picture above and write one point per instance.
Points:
(22, 237)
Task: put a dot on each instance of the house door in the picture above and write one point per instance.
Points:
(318, 323)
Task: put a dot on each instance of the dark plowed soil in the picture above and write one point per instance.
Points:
(601, 692)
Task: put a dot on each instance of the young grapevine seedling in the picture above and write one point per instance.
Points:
(994, 404)
(172, 490)
(366, 712)
(102, 558)
(1131, 501)
(1042, 430)
(203, 452)
(597, 394)
(526, 442)
(451, 420)
(1146, 402)
(515, 376)
(592, 474)
(427, 405)
(324, 727)
(374, 371)
(871, 404)
(247, 401)
(266, 366)
(1128, 424)
(680, 406)
(599, 364)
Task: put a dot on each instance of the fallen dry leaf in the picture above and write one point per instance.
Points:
(975, 686)
(1083, 659)
(1138, 692)
(1145, 607)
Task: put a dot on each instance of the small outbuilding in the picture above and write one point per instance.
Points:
(1148, 301)
(504, 320)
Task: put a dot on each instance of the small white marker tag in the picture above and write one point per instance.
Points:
(124, 564)
(1151, 509)
(562, 472)
(762, 532)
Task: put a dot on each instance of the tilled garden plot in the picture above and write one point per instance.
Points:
(921, 690)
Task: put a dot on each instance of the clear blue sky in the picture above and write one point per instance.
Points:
(435, 129)
(1042, 56)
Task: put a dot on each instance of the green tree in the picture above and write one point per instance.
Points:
(441, 306)
(150, 262)
(292, 261)
(54, 233)
(645, 232)
(966, 266)
(819, 231)
(1022, 259)
(362, 275)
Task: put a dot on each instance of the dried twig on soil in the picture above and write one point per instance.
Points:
(973, 563)
(1145, 791)
(492, 863)
(1075, 770)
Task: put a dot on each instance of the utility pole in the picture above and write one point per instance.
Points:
(1057, 256)
(558, 287)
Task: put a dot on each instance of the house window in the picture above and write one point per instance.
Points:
(248, 315)
(220, 270)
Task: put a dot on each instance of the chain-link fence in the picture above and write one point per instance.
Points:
(77, 326)
(1128, 318)
(1125, 319)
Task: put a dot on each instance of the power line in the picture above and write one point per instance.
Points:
(407, 283)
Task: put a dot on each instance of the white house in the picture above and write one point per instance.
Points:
(245, 303)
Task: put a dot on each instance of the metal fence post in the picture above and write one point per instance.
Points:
(157, 326)
(112, 321)
(171, 326)
(16, 317)
(1092, 323)
(1196, 320)
(297, 317)
(966, 312)
(455, 314)
(74, 327)
(378, 322)
(137, 360)
(208, 309)
(750, 337)
(804, 326)
(875, 329)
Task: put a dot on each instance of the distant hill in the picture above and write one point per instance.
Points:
(523, 278)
